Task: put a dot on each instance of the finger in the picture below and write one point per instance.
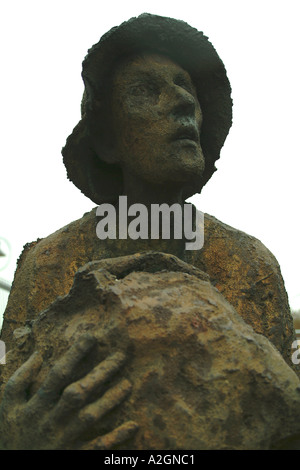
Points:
(119, 435)
(92, 414)
(62, 373)
(79, 393)
(18, 384)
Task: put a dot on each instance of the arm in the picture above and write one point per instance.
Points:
(61, 412)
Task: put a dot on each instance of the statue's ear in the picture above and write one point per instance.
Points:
(104, 150)
(101, 137)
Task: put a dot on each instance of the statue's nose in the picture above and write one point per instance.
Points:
(183, 103)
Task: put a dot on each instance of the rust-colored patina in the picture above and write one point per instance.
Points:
(142, 344)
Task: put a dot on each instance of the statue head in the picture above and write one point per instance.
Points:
(156, 107)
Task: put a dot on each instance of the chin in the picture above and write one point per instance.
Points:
(189, 160)
(185, 176)
(190, 170)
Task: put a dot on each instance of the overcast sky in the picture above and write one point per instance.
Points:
(256, 187)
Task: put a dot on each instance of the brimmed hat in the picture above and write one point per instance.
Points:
(189, 48)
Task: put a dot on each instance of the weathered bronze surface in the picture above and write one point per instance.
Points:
(140, 344)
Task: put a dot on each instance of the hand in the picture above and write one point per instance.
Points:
(60, 412)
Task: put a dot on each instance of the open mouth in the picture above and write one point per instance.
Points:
(188, 133)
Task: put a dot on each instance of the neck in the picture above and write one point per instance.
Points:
(146, 194)
(143, 192)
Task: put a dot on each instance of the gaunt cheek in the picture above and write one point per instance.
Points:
(199, 117)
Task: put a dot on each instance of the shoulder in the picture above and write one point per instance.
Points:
(223, 240)
(68, 238)
(237, 258)
(46, 269)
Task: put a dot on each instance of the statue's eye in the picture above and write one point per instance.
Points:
(139, 90)
(143, 90)
(184, 83)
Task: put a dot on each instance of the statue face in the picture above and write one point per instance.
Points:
(156, 120)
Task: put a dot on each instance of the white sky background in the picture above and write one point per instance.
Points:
(256, 187)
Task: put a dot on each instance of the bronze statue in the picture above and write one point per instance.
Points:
(155, 114)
